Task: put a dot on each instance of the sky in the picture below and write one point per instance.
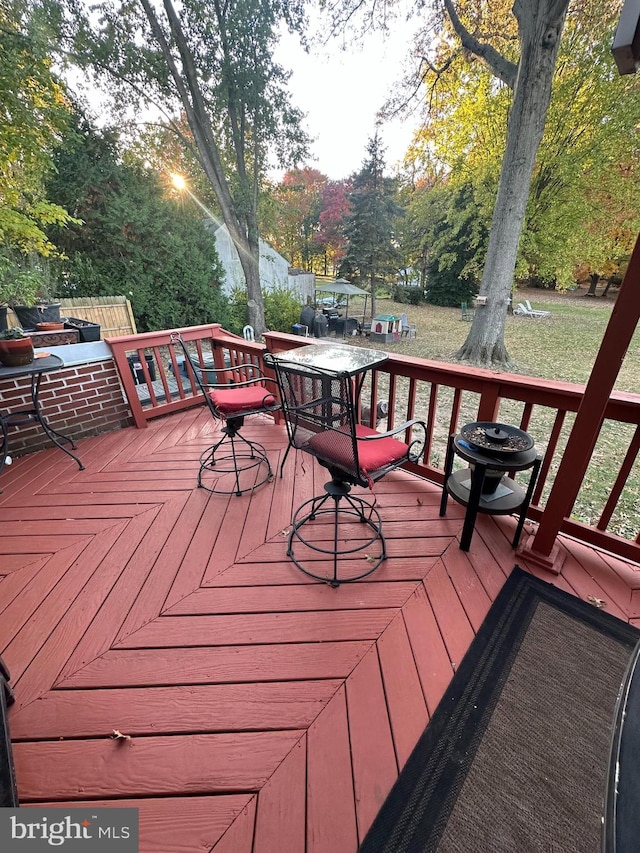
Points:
(340, 87)
(341, 92)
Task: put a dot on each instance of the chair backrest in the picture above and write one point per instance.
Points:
(226, 379)
(404, 321)
(316, 401)
(248, 333)
(320, 410)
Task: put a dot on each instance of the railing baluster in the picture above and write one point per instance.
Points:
(548, 456)
(526, 416)
(455, 411)
(431, 420)
(393, 385)
(430, 384)
(621, 481)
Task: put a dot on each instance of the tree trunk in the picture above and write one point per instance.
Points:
(540, 26)
(594, 278)
(372, 286)
(249, 254)
(243, 230)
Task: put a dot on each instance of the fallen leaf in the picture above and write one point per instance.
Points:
(597, 602)
(117, 735)
(370, 558)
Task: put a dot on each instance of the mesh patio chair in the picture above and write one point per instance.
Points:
(234, 464)
(321, 414)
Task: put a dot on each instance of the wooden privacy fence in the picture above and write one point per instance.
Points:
(112, 313)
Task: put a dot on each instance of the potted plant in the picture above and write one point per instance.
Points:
(16, 348)
(44, 310)
(17, 286)
(25, 291)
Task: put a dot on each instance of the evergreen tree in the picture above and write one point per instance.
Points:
(372, 255)
(134, 239)
(457, 237)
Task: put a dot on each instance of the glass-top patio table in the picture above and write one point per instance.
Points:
(339, 359)
(336, 361)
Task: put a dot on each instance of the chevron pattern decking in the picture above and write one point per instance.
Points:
(262, 712)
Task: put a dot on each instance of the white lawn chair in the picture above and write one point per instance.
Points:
(525, 310)
(406, 328)
(536, 312)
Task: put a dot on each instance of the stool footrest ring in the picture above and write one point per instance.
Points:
(315, 531)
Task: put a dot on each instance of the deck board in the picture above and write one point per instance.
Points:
(265, 599)
(229, 664)
(429, 651)
(239, 836)
(193, 708)
(265, 711)
(179, 824)
(450, 614)
(372, 753)
(408, 713)
(282, 805)
(150, 766)
(243, 629)
(330, 781)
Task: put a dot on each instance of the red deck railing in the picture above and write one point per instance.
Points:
(446, 396)
(152, 371)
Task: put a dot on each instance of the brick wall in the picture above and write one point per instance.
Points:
(78, 401)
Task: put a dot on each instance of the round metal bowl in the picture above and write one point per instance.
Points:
(506, 441)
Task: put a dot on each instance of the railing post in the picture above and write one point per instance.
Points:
(575, 461)
(489, 402)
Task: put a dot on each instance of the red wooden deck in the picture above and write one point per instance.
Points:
(263, 711)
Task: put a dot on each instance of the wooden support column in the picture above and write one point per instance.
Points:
(575, 461)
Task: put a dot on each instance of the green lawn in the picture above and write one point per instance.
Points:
(562, 346)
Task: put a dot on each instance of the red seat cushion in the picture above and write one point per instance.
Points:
(372, 455)
(379, 453)
(248, 398)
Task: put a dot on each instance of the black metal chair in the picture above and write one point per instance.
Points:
(245, 392)
(321, 414)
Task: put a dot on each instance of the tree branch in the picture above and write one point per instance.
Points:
(195, 111)
(502, 68)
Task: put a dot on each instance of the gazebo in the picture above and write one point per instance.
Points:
(343, 287)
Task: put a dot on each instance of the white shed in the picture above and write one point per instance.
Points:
(274, 269)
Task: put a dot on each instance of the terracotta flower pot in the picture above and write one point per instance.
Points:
(50, 327)
(16, 352)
